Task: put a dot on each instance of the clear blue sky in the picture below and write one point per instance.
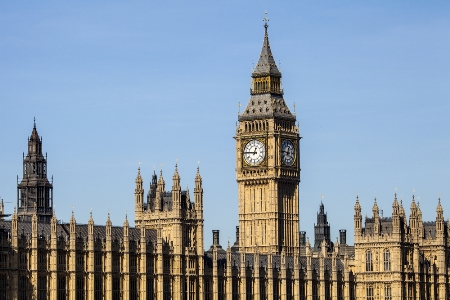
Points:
(112, 83)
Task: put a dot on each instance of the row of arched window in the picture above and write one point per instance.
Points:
(256, 126)
(386, 260)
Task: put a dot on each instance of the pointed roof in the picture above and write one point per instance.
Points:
(139, 177)
(266, 64)
(267, 104)
(34, 134)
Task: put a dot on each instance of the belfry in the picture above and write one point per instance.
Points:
(267, 163)
(35, 192)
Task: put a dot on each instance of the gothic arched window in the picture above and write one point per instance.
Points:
(387, 260)
(369, 266)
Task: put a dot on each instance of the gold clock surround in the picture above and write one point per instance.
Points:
(244, 143)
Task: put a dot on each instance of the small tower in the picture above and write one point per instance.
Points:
(198, 193)
(440, 220)
(176, 191)
(357, 219)
(34, 192)
(268, 163)
(160, 191)
(395, 215)
(321, 229)
(413, 219)
(139, 197)
(376, 217)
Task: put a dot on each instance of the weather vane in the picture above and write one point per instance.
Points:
(266, 19)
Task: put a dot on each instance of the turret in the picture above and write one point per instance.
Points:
(108, 228)
(176, 190)
(151, 195)
(321, 229)
(413, 222)
(376, 217)
(34, 192)
(73, 224)
(198, 192)
(14, 229)
(357, 218)
(439, 220)
(160, 190)
(139, 194)
(54, 222)
(396, 216)
(91, 228)
(126, 226)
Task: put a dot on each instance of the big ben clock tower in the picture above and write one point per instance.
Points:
(267, 164)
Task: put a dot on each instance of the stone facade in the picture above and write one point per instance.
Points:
(163, 256)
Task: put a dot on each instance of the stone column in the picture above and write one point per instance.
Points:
(90, 260)
(309, 277)
(126, 261)
(229, 274)
(296, 289)
(34, 256)
(243, 281)
(159, 267)
(108, 260)
(256, 279)
(215, 280)
(269, 277)
(334, 280)
(72, 259)
(14, 275)
(283, 276)
(53, 259)
(143, 266)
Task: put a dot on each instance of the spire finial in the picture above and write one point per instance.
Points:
(265, 20)
(34, 121)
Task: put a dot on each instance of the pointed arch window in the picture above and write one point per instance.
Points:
(369, 265)
(387, 292)
(387, 260)
(369, 292)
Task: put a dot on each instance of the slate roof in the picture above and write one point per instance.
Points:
(262, 106)
(63, 231)
(266, 64)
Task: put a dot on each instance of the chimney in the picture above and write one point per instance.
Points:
(342, 236)
(216, 238)
(302, 238)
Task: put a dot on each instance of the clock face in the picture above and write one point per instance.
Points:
(287, 152)
(254, 152)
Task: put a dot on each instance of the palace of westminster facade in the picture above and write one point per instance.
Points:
(163, 256)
